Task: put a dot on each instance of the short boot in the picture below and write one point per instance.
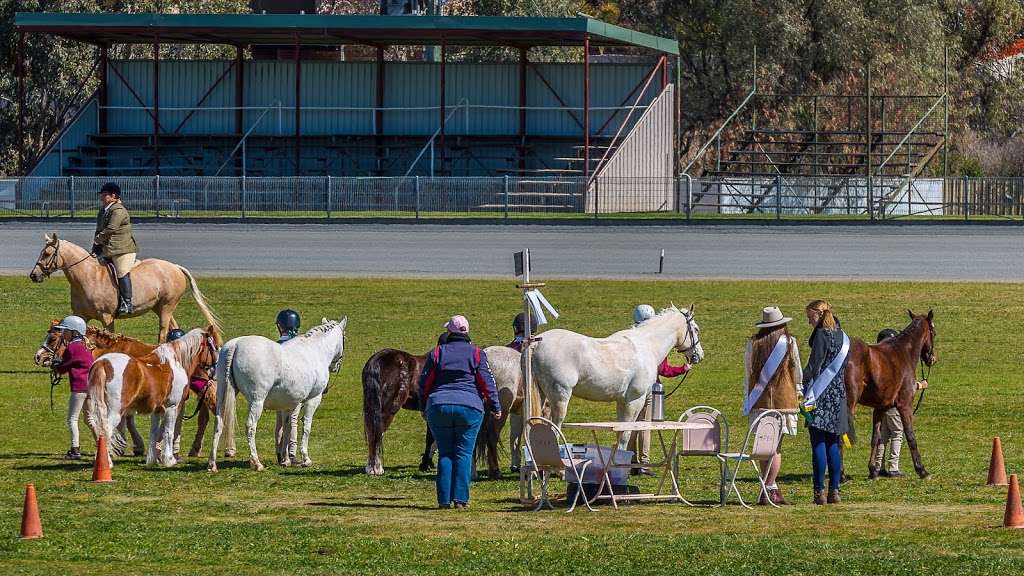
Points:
(74, 454)
(124, 286)
(765, 499)
(819, 497)
(833, 497)
(777, 499)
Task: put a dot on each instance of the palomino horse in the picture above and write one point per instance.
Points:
(391, 383)
(276, 377)
(100, 341)
(158, 285)
(882, 375)
(151, 384)
(620, 368)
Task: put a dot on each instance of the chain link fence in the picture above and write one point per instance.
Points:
(780, 197)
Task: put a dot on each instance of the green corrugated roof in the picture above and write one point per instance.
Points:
(248, 29)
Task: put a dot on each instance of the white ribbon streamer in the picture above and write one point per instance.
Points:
(771, 366)
(538, 302)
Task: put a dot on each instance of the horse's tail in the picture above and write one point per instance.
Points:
(488, 444)
(226, 392)
(851, 435)
(97, 416)
(208, 312)
(373, 415)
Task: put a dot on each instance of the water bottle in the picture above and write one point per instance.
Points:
(658, 402)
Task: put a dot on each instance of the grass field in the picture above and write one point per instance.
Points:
(331, 518)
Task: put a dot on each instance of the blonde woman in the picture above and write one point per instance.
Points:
(774, 381)
(825, 398)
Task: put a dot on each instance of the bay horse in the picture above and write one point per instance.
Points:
(158, 285)
(99, 341)
(882, 375)
(150, 384)
(276, 377)
(620, 368)
(391, 383)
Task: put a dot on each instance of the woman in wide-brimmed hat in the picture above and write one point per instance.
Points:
(774, 380)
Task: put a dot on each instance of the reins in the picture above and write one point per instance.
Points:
(694, 342)
(51, 266)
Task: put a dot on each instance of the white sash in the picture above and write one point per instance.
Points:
(771, 366)
(825, 378)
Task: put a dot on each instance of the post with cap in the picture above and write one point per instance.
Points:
(531, 395)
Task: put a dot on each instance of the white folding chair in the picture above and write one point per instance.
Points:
(706, 442)
(544, 442)
(762, 443)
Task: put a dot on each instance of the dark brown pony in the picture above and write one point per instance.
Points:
(882, 375)
(390, 383)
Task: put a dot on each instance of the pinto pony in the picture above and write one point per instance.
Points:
(882, 375)
(100, 341)
(621, 368)
(150, 384)
(158, 285)
(391, 383)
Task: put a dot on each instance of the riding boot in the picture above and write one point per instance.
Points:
(124, 286)
(777, 498)
(765, 499)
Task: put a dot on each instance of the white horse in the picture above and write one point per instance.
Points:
(276, 377)
(620, 368)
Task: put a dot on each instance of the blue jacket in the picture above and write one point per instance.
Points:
(457, 373)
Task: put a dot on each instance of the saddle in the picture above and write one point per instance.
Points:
(112, 272)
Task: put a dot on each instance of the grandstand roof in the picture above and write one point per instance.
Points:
(320, 29)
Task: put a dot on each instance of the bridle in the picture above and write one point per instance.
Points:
(51, 265)
(694, 338)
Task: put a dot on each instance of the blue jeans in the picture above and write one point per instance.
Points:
(455, 429)
(825, 451)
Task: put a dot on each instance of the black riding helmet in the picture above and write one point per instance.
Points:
(886, 334)
(174, 334)
(519, 324)
(288, 319)
(112, 188)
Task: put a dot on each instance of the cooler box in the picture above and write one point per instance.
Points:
(594, 472)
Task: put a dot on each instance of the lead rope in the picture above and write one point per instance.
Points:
(200, 403)
(685, 374)
(54, 382)
(924, 377)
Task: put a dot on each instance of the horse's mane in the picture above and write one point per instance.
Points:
(97, 334)
(186, 348)
(319, 329)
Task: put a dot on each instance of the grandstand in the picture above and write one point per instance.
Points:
(292, 113)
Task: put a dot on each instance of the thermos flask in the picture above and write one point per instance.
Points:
(658, 402)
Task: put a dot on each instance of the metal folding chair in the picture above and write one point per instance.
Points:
(762, 443)
(706, 442)
(544, 444)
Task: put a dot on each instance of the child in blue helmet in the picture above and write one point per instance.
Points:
(286, 430)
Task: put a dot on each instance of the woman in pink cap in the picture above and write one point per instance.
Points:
(455, 388)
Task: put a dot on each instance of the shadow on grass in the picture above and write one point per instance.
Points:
(382, 503)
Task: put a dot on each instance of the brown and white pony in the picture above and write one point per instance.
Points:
(151, 384)
(882, 375)
(390, 383)
(100, 341)
(157, 285)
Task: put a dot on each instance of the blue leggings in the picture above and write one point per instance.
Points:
(825, 451)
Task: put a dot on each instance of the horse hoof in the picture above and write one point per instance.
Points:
(211, 468)
(229, 453)
(307, 463)
(139, 453)
(193, 453)
(260, 467)
(925, 476)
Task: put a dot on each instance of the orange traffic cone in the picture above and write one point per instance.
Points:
(1014, 516)
(996, 469)
(101, 468)
(30, 527)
